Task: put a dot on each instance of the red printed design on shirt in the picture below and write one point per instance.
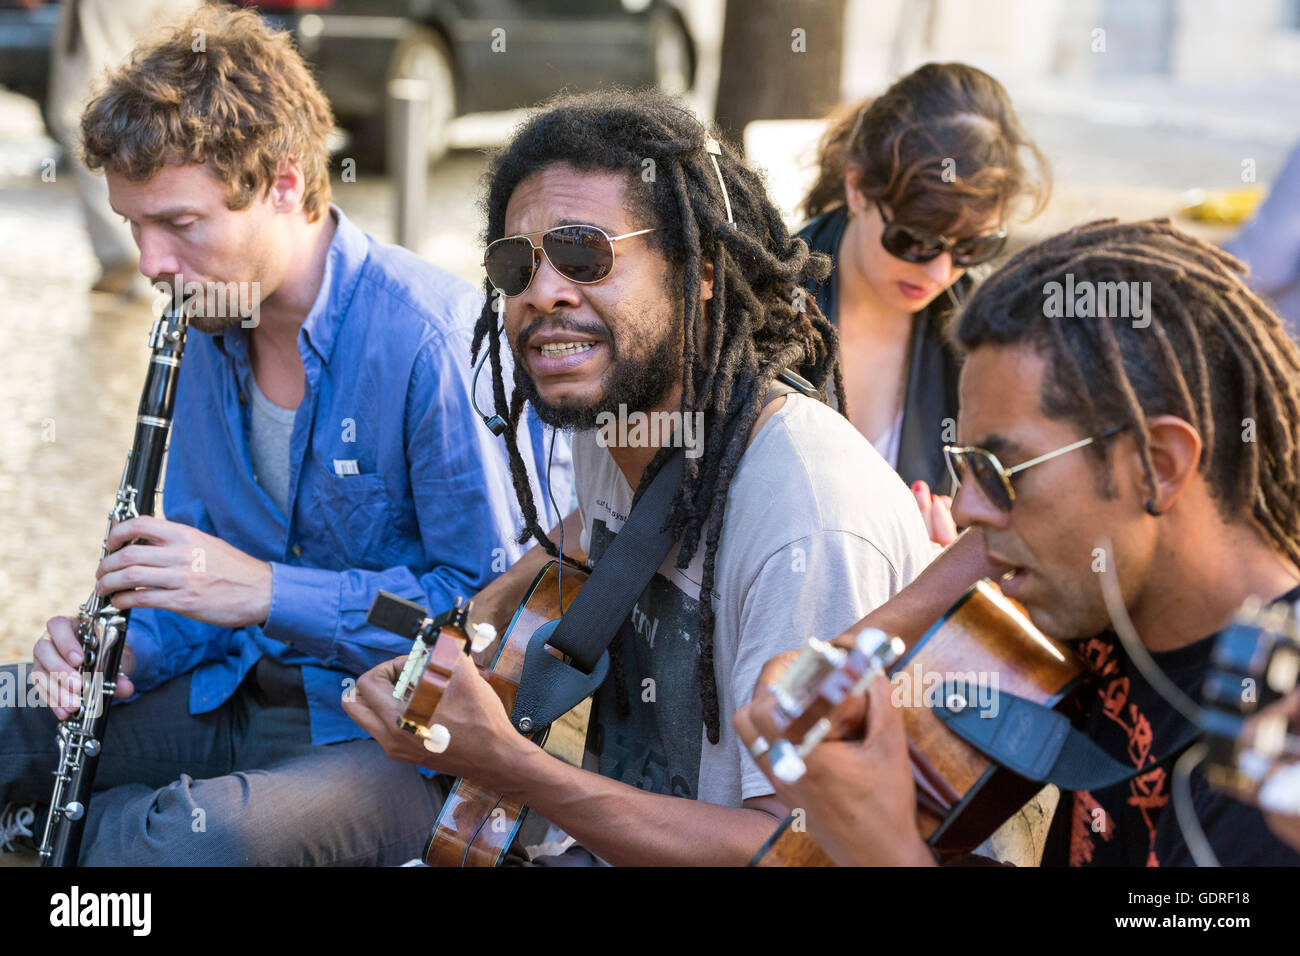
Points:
(1090, 821)
(1148, 792)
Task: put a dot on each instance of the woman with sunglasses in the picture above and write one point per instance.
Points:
(915, 191)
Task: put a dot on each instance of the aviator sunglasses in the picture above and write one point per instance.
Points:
(917, 245)
(583, 254)
(992, 478)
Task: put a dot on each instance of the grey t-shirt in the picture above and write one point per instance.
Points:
(270, 428)
(818, 531)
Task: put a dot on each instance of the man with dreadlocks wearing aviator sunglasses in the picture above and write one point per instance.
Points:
(664, 280)
(1170, 430)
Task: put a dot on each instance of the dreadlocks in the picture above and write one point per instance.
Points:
(758, 323)
(1213, 354)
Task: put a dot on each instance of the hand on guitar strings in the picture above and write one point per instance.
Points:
(858, 795)
(481, 743)
(181, 569)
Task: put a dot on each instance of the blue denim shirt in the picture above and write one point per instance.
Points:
(431, 514)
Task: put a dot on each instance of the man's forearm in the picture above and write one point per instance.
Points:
(629, 827)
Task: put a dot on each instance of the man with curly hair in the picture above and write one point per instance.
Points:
(324, 447)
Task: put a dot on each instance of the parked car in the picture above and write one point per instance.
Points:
(475, 55)
(26, 36)
(479, 55)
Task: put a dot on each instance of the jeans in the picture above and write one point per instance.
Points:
(241, 785)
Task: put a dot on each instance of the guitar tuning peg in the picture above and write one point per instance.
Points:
(876, 645)
(438, 740)
(870, 640)
(1275, 618)
(1283, 671)
(483, 638)
(1249, 611)
(891, 654)
(787, 765)
(1293, 632)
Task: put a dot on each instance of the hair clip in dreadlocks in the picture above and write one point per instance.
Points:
(715, 151)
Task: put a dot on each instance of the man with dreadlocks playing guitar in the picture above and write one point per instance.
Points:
(1170, 429)
(784, 514)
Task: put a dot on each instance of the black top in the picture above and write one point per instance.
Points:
(1132, 823)
(930, 402)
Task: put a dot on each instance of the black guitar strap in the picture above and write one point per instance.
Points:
(550, 687)
(621, 574)
(1037, 742)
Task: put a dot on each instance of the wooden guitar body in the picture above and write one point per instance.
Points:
(962, 796)
(476, 826)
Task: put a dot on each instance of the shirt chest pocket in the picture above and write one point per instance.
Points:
(350, 519)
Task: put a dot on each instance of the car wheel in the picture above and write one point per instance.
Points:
(672, 55)
(422, 55)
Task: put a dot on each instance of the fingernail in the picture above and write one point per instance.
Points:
(916, 487)
(76, 657)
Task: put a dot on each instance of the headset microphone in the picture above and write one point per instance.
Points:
(495, 423)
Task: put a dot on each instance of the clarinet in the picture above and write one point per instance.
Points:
(101, 628)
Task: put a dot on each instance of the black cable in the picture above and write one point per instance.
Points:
(1185, 810)
(559, 580)
(1123, 627)
(1180, 780)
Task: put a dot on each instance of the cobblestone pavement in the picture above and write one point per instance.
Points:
(73, 364)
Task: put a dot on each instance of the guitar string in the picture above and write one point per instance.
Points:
(469, 844)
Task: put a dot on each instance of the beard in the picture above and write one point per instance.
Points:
(213, 304)
(637, 382)
(213, 324)
(195, 298)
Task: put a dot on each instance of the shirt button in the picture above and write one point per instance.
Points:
(296, 551)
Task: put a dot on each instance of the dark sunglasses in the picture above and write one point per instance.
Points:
(993, 479)
(582, 254)
(916, 245)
